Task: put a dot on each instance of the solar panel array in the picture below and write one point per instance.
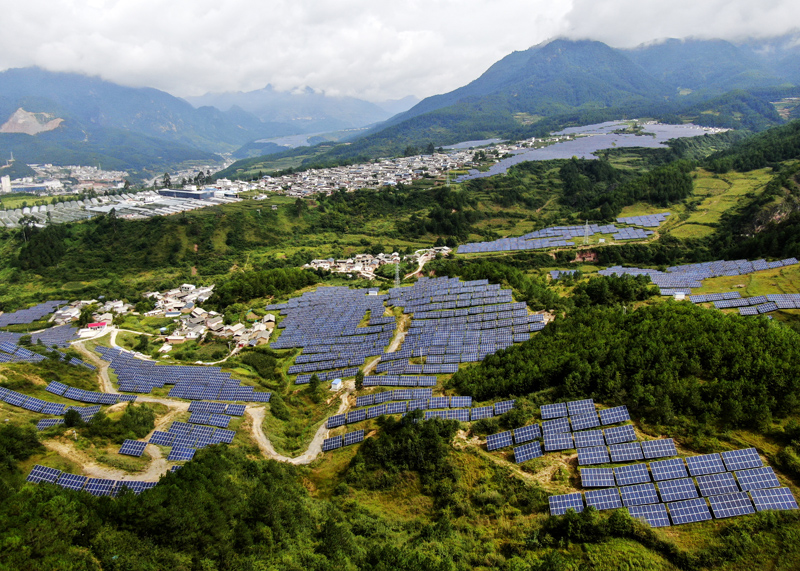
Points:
(81, 395)
(647, 220)
(34, 404)
(190, 382)
(553, 237)
(191, 436)
(25, 316)
(95, 486)
(682, 497)
(338, 441)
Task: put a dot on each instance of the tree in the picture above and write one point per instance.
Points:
(313, 387)
(167, 181)
(359, 380)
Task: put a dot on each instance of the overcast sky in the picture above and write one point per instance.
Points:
(373, 49)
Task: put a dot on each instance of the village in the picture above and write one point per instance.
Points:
(364, 265)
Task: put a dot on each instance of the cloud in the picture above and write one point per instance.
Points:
(628, 23)
(373, 50)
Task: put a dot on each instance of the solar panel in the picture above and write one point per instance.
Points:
(481, 412)
(717, 484)
(597, 477)
(527, 433)
(179, 453)
(689, 511)
(620, 434)
(72, 481)
(99, 486)
(674, 490)
(48, 422)
(607, 499)
(659, 448)
(527, 452)
(591, 455)
(460, 402)
(235, 410)
(133, 447)
(589, 438)
(353, 437)
(335, 420)
(757, 478)
(560, 504)
(730, 505)
(578, 407)
(774, 499)
(499, 440)
(626, 452)
(162, 438)
(639, 494)
(705, 464)
(741, 459)
(43, 474)
(332, 443)
(655, 515)
(556, 410)
(54, 408)
(614, 415)
(135, 486)
(503, 407)
(633, 474)
(555, 426)
(668, 469)
(558, 441)
(583, 421)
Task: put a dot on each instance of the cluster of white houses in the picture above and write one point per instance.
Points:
(384, 172)
(364, 265)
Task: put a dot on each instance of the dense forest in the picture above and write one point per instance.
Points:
(664, 361)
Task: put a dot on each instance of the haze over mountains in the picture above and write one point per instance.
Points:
(78, 119)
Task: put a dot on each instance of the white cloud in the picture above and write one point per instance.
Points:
(374, 50)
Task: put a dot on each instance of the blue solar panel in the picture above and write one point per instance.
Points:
(555, 426)
(353, 437)
(499, 440)
(554, 410)
(332, 443)
(655, 515)
(99, 486)
(639, 494)
(481, 412)
(527, 452)
(180, 453)
(674, 490)
(72, 481)
(579, 407)
(527, 433)
(607, 499)
(560, 504)
(559, 441)
(689, 511)
(626, 452)
(757, 478)
(591, 455)
(133, 447)
(774, 499)
(584, 421)
(162, 438)
(589, 438)
(659, 448)
(597, 477)
(741, 459)
(633, 474)
(43, 474)
(335, 420)
(619, 434)
(730, 505)
(614, 415)
(705, 464)
(668, 469)
(717, 484)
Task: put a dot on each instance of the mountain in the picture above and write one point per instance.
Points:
(306, 111)
(54, 117)
(713, 66)
(552, 77)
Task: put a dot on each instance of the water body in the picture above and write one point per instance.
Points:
(598, 137)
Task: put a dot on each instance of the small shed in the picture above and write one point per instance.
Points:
(336, 384)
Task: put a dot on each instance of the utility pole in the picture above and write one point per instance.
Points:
(586, 234)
